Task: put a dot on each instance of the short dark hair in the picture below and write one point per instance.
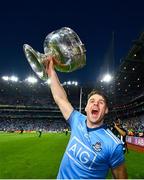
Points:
(93, 92)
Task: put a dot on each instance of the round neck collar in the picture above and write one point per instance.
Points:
(104, 126)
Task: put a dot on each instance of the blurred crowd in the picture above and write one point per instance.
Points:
(134, 126)
(32, 107)
(10, 125)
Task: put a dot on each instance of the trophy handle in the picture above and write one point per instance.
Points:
(35, 59)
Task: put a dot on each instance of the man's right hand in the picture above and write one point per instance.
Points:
(49, 65)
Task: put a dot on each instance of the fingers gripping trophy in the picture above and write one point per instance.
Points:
(64, 46)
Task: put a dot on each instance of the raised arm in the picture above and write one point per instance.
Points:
(57, 90)
(121, 131)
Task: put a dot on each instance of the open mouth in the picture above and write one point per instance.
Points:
(94, 112)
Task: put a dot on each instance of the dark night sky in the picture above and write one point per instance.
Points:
(30, 21)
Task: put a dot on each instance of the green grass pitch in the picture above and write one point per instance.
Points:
(26, 156)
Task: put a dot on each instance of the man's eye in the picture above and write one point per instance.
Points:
(91, 101)
(101, 102)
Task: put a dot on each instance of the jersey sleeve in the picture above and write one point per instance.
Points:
(74, 118)
(117, 157)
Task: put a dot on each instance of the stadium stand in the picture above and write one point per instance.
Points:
(32, 106)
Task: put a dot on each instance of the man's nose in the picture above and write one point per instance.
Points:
(96, 103)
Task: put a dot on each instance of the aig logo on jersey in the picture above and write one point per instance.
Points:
(81, 154)
(97, 146)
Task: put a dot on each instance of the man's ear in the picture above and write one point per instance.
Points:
(106, 111)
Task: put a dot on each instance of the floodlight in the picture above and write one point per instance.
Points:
(5, 78)
(69, 82)
(107, 78)
(31, 80)
(14, 78)
(76, 83)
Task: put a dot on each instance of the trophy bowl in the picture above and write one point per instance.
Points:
(65, 46)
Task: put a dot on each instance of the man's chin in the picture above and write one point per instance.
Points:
(95, 116)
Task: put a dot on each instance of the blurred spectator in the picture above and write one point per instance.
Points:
(120, 132)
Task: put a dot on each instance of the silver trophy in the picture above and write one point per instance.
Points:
(63, 44)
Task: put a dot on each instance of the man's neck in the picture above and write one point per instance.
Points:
(93, 125)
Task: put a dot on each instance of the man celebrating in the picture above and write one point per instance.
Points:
(92, 149)
(121, 133)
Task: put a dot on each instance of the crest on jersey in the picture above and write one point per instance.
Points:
(97, 146)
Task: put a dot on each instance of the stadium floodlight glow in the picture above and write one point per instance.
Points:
(31, 80)
(107, 78)
(64, 83)
(69, 83)
(5, 78)
(76, 83)
(14, 78)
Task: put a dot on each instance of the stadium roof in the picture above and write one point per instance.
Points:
(129, 79)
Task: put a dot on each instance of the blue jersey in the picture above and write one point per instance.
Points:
(90, 152)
